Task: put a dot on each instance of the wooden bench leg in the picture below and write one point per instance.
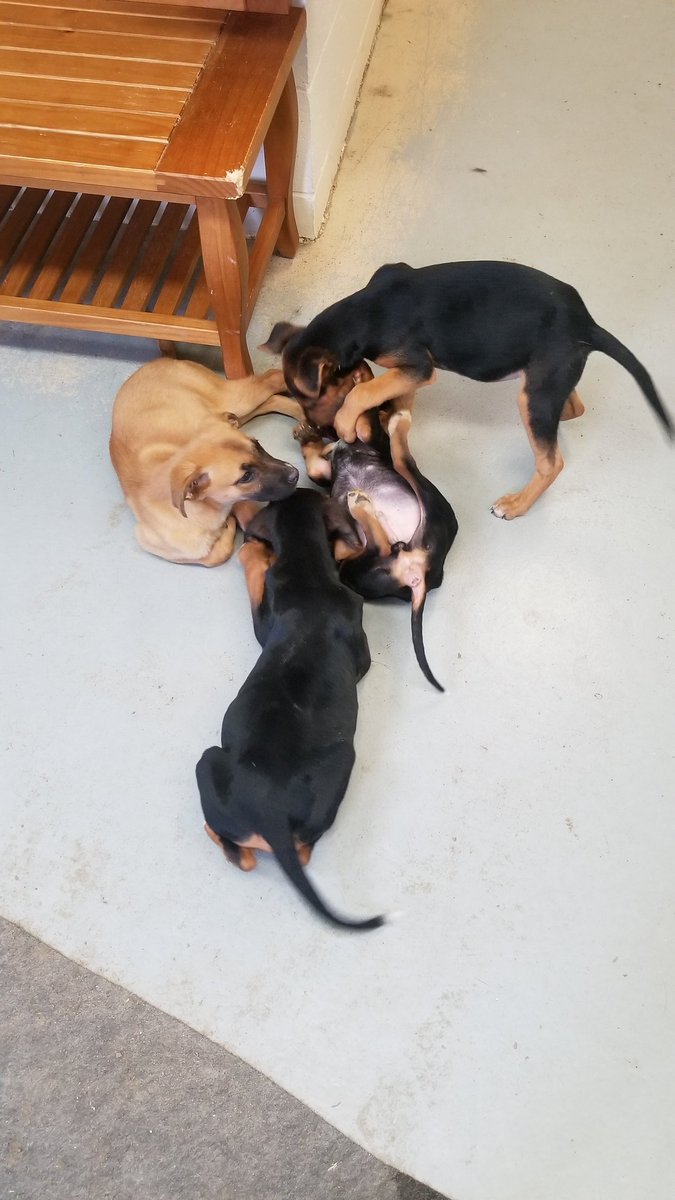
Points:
(225, 259)
(281, 144)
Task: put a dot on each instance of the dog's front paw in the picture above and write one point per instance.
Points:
(304, 433)
(345, 424)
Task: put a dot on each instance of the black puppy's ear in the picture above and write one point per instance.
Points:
(314, 370)
(280, 336)
(340, 524)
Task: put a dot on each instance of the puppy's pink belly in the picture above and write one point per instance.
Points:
(399, 512)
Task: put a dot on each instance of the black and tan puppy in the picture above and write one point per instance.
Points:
(288, 736)
(405, 525)
(484, 320)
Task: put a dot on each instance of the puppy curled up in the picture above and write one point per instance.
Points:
(183, 462)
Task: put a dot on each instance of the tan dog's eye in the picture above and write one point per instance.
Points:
(247, 476)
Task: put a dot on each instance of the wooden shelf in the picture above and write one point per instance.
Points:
(113, 264)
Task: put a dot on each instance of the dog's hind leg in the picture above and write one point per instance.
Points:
(256, 396)
(546, 390)
(276, 404)
(573, 407)
(362, 510)
(239, 856)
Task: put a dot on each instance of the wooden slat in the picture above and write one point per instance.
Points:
(79, 149)
(108, 320)
(267, 6)
(141, 8)
(103, 181)
(90, 20)
(64, 247)
(181, 271)
(90, 260)
(221, 127)
(42, 64)
(117, 271)
(32, 251)
(199, 303)
(17, 222)
(113, 96)
(148, 269)
(263, 248)
(8, 193)
(105, 45)
(94, 121)
(259, 6)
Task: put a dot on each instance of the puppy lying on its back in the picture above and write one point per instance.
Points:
(288, 736)
(405, 525)
(182, 461)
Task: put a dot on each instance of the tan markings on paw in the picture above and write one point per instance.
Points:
(510, 506)
(403, 415)
(356, 499)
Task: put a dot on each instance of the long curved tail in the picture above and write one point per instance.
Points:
(281, 841)
(416, 620)
(410, 570)
(604, 341)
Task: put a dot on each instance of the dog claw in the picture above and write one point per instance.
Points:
(306, 433)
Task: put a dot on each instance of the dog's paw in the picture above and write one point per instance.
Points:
(509, 507)
(359, 500)
(304, 433)
(345, 424)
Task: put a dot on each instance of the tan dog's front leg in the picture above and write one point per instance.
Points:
(394, 385)
(223, 546)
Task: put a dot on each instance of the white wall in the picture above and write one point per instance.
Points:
(328, 73)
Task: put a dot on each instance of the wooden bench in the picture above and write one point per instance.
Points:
(128, 134)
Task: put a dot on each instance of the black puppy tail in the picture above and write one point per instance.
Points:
(281, 841)
(416, 615)
(608, 344)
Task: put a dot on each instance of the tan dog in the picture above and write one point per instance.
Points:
(183, 462)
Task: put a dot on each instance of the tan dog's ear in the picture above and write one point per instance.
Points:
(187, 483)
(315, 368)
(280, 336)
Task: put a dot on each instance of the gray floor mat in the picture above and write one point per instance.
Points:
(104, 1096)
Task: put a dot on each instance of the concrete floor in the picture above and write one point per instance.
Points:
(510, 1037)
